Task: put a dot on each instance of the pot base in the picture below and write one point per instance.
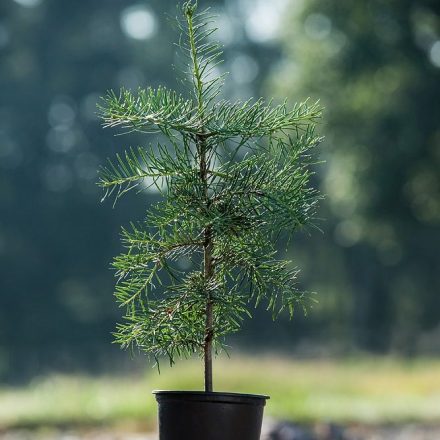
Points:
(197, 415)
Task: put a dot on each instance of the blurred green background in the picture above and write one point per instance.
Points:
(376, 68)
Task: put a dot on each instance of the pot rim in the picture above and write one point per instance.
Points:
(211, 396)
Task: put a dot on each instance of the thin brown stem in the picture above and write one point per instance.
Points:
(208, 267)
(209, 332)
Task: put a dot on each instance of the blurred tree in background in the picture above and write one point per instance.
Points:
(57, 58)
(56, 241)
(376, 65)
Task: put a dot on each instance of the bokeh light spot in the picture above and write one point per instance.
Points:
(263, 23)
(138, 22)
(317, 26)
(347, 233)
(61, 112)
(61, 139)
(244, 69)
(28, 3)
(434, 54)
(226, 31)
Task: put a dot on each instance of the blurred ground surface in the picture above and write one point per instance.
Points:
(271, 431)
(366, 399)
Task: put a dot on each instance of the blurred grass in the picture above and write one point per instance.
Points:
(368, 390)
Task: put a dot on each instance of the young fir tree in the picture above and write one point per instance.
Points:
(233, 177)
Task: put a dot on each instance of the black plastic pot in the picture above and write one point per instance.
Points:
(196, 415)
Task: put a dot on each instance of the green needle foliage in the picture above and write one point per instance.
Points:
(234, 177)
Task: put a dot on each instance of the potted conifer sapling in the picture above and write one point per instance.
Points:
(234, 178)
